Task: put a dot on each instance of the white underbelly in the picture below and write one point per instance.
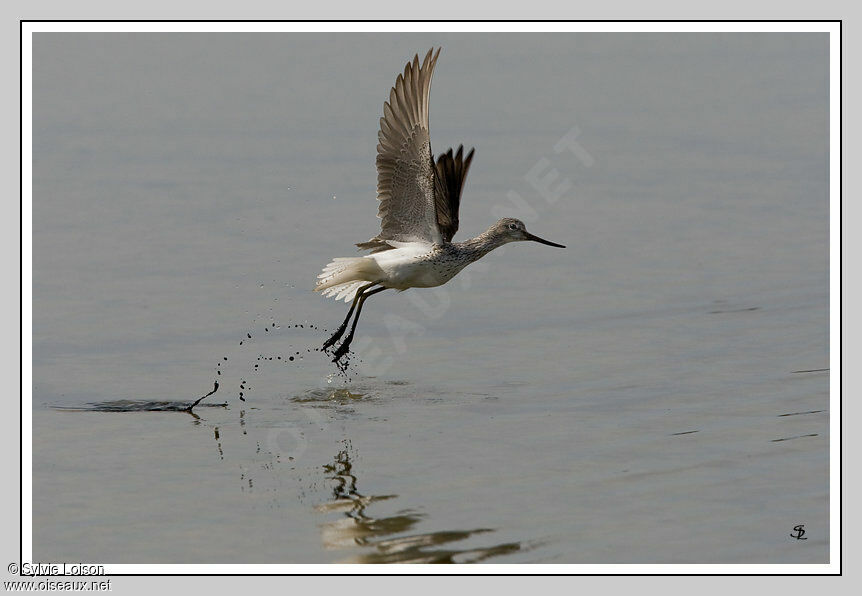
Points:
(414, 267)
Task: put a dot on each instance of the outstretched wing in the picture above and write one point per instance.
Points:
(405, 165)
(451, 172)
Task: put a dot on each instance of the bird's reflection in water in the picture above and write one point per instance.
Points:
(379, 538)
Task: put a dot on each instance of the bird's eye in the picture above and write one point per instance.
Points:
(513, 226)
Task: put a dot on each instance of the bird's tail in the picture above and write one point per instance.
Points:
(345, 275)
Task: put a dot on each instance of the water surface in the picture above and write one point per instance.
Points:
(656, 393)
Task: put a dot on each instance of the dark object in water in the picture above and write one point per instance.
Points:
(201, 398)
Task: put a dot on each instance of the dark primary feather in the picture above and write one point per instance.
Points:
(451, 173)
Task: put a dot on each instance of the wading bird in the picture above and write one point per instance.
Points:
(419, 202)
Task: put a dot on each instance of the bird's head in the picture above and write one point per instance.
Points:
(514, 230)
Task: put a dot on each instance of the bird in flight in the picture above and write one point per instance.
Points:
(419, 201)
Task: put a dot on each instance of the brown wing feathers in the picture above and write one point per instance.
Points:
(419, 198)
(405, 165)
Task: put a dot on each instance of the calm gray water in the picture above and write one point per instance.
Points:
(635, 398)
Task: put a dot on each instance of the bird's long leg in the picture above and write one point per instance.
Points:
(345, 345)
(340, 331)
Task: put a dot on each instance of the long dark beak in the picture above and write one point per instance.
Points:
(541, 240)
